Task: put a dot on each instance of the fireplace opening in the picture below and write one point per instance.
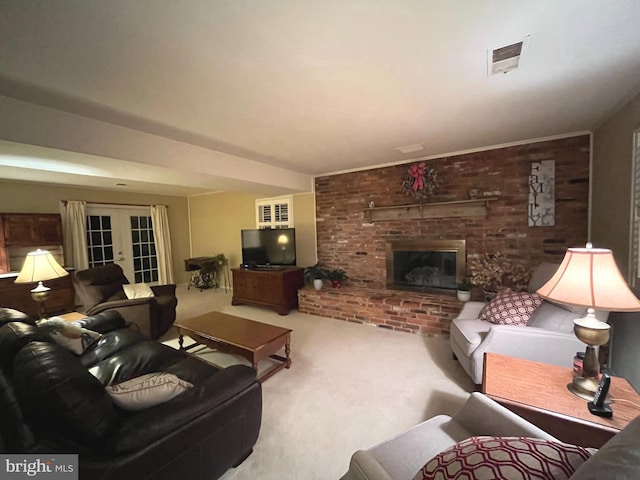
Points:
(425, 265)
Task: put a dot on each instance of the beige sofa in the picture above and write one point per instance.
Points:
(401, 457)
(548, 336)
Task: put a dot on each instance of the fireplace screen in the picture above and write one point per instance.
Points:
(425, 265)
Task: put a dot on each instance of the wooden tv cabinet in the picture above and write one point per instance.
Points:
(276, 289)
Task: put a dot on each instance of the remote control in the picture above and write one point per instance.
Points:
(597, 406)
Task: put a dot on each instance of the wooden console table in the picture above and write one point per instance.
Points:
(538, 392)
(276, 289)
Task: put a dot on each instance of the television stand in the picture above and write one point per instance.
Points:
(269, 268)
(275, 289)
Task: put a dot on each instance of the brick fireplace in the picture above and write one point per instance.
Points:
(351, 239)
(435, 266)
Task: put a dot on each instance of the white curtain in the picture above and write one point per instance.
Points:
(162, 238)
(74, 232)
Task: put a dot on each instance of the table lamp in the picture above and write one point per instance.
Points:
(589, 277)
(40, 266)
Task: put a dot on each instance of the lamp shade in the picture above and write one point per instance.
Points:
(40, 266)
(589, 277)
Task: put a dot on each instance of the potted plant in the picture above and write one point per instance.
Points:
(337, 277)
(314, 275)
(464, 290)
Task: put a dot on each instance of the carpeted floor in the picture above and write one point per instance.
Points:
(350, 386)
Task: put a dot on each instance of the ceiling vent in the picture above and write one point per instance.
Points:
(507, 58)
(418, 147)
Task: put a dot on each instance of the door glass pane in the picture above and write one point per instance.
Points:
(99, 241)
(144, 258)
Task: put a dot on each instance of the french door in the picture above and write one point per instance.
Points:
(123, 235)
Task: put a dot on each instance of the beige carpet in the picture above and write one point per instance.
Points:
(350, 386)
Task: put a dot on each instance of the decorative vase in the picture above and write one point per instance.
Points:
(464, 295)
(488, 295)
(335, 283)
(317, 283)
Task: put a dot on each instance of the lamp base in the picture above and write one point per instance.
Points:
(40, 295)
(585, 388)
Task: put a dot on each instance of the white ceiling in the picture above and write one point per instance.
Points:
(312, 86)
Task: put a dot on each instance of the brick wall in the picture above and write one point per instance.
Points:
(346, 239)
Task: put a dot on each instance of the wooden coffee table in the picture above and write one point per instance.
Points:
(254, 341)
(538, 392)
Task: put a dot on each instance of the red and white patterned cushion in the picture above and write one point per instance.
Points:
(508, 458)
(510, 308)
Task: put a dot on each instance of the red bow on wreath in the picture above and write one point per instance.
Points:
(417, 172)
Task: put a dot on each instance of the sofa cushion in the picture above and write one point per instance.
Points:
(61, 396)
(147, 390)
(72, 337)
(619, 458)
(468, 334)
(14, 336)
(508, 458)
(12, 315)
(541, 275)
(510, 308)
(552, 317)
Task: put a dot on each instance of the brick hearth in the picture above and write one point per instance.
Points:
(348, 240)
(404, 311)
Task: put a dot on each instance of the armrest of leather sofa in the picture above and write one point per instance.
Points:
(530, 343)
(102, 322)
(139, 312)
(153, 424)
(162, 290)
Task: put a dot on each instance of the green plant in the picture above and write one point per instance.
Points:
(314, 272)
(221, 259)
(465, 285)
(337, 275)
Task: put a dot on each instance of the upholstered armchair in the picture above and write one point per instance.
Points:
(101, 288)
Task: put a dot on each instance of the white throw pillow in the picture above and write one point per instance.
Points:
(137, 290)
(68, 335)
(147, 390)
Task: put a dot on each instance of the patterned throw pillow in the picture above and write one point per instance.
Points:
(147, 390)
(510, 308)
(68, 335)
(508, 458)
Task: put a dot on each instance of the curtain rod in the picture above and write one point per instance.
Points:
(120, 204)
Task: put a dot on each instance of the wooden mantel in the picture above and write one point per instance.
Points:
(458, 208)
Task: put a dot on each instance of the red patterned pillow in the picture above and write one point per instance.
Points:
(508, 458)
(510, 308)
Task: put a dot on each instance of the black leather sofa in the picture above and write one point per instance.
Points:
(53, 401)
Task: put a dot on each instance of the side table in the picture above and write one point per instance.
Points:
(72, 316)
(538, 392)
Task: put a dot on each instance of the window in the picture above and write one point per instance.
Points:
(274, 212)
(123, 235)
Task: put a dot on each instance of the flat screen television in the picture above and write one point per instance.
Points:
(264, 247)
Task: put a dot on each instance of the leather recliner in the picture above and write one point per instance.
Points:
(100, 289)
(54, 401)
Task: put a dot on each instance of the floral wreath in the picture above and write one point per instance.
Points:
(421, 181)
